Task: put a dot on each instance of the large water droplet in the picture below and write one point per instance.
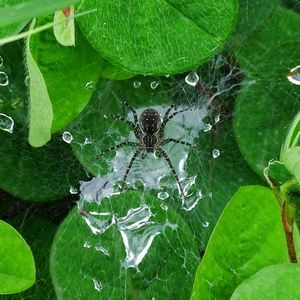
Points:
(217, 118)
(216, 153)
(97, 285)
(3, 79)
(294, 75)
(137, 84)
(192, 78)
(67, 137)
(6, 123)
(154, 85)
(90, 85)
(163, 195)
(1, 61)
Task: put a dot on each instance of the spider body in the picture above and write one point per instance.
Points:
(149, 131)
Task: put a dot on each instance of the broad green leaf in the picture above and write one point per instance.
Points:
(158, 37)
(39, 233)
(252, 16)
(69, 73)
(291, 159)
(23, 11)
(37, 174)
(64, 27)
(13, 28)
(17, 270)
(40, 106)
(165, 272)
(248, 237)
(273, 282)
(268, 96)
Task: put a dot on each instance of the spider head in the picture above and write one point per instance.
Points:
(150, 121)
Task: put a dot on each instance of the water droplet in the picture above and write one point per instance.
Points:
(67, 137)
(192, 78)
(27, 80)
(154, 85)
(205, 224)
(207, 127)
(6, 123)
(294, 76)
(209, 195)
(216, 153)
(87, 141)
(163, 195)
(73, 190)
(164, 207)
(90, 85)
(3, 79)
(1, 61)
(105, 116)
(102, 249)
(137, 84)
(87, 245)
(97, 285)
(217, 118)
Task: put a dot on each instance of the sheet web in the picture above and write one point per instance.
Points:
(156, 211)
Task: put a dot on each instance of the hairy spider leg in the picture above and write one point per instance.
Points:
(135, 127)
(113, 148)
(171, 140)
(168, 111)
(135, 117)
(168, 118)
(166, 157)
(133, 158)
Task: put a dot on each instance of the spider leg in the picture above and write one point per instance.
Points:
(131, 144)
(136, 128)
(166, 157)
(135, 117)
(174, 114)
(168, 111)
(170, 140)
(133, 158)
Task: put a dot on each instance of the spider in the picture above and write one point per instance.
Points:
(149, 130)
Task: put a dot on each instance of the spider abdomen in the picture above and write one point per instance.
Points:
(150, 121)
(149, 142)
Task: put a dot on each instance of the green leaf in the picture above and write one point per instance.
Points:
(248, 237)
(37, 174)
(40, 106)
(67, 72)
(273, 282)
(17, 270)
(171, 259)
(252, 16)
(265, 95)
(64, 28)
(278, 173)
(158, 37)
(23, 11)
(39, 233)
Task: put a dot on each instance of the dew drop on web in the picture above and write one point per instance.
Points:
(216, 153)
(154, 85)
(6, 123)
(205, 224)
(67, 137)
(97, 285)
(3, 79)
(294, 75)
(192, 78)
(163, 195)
(90, 85)
(136, 84)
